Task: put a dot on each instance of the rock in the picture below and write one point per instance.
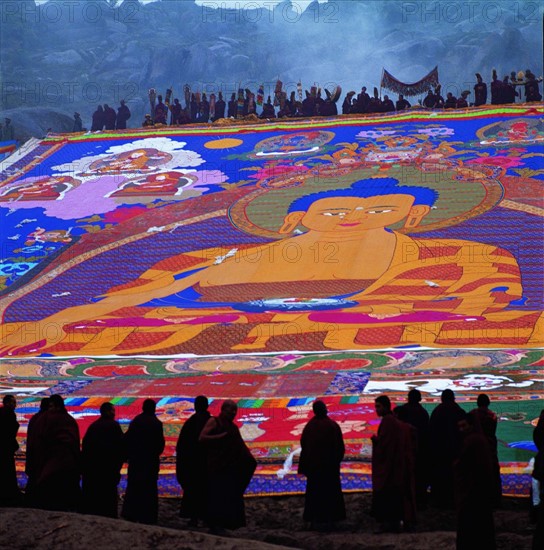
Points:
(269, 519)
(68, 57)
(41, 529)
(35, 121)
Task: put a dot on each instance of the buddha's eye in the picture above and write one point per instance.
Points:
(334, 214)
(378, 211)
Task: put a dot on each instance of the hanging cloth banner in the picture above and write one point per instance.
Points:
(389, 82)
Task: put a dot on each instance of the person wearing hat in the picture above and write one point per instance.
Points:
(480, 91)
(8, 133)
(148, 121)
(78, 123)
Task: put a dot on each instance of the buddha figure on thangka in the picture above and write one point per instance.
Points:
(347, 281)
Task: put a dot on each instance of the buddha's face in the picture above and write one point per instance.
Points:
(355, 214)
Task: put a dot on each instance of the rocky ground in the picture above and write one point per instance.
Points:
(273, 522)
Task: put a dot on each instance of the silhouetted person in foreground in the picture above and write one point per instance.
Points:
(230, 467)
(32, 460)
(58, 459)
(415, 415)
(474, 489)
(322, 452)
(9, 490)
(487, 421)
(538, 475)
(393, 490)
(102, 458)
(144, 443)
(445, 442)
(191, 463)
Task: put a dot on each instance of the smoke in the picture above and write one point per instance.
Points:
(75, 54)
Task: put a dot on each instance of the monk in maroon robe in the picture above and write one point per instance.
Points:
(191, 463)
(322, 452)
(414, 414)
(480, 91)
(9, 490)
(445, 441)
(144, 444)
(487, 421)
(102, 458)
(230, 467)
(474, 489)
(58, 459)
(31, 470)
(393, 487)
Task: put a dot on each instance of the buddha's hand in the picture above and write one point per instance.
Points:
(385, 311)
(383, 315)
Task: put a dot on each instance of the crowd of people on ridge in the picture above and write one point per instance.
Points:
(201, 109)
(452, 452)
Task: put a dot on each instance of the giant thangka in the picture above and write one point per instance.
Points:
(277, 263)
